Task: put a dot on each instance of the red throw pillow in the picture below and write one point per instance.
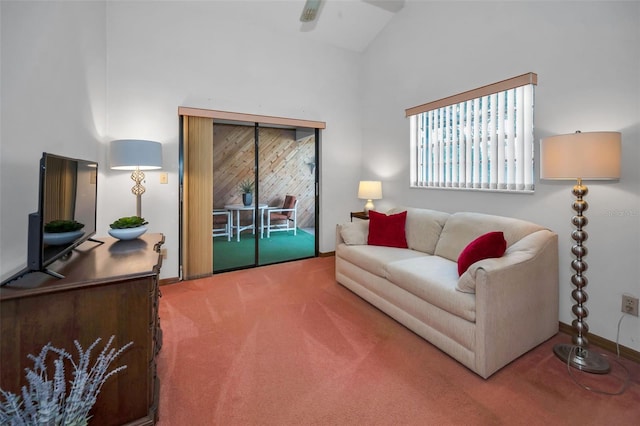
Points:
(387, 230)
(491, 244)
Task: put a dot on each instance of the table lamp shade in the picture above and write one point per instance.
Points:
(589, 156)
(370, 190)
(132, 154)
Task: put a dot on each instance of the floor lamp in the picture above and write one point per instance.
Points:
(136, 155)
(580, 156)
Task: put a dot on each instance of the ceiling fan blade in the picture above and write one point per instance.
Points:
(310, 10)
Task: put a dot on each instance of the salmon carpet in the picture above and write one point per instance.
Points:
(286, 345)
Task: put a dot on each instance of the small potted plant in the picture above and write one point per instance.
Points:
(59, 232)
(128, 227)
(246, 189)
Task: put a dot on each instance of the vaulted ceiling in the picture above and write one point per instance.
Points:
(347, 24)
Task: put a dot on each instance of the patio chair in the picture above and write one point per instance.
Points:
(283, 218)
(221, 223)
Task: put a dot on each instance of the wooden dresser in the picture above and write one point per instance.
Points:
(108, 289)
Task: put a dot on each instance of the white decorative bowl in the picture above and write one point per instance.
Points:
(61, 238)
(128, 233)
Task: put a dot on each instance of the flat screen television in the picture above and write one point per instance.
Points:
(68, 189)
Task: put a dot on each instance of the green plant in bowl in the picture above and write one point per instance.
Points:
(246, 186)
(128, 222)
(58, 226)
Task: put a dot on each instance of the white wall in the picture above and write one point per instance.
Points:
(162, 55)
(53, 99)
(76, 75)
(149, 58)
(588, 64)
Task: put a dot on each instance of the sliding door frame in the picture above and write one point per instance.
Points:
(188, 270)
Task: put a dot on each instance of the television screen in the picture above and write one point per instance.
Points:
(66, 214)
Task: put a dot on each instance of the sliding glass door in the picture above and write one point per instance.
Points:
(248, 190)
(236, 221)
(287, 185)
(264, 190)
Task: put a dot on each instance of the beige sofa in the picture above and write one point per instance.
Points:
(494, 312)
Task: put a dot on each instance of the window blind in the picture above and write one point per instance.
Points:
(483, 140)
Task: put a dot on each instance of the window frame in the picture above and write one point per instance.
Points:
(476, 167)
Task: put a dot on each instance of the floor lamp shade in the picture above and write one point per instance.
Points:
(136, 155)
(578, 156)
(591, 156)
(369, 190)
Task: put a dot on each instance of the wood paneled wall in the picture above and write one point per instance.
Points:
(287, 166)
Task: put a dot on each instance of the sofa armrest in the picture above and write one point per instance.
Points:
(516, 300)
(339, 239)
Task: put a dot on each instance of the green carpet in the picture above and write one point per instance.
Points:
(280, 247)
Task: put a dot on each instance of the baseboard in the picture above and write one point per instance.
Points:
(167, 281)
(173, 280)
(603, 343)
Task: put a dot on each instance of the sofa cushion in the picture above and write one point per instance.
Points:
(462, 228)
(434, 280)
(375, 258)
(423, 227)
(387, 230)
(355, 233)
(491, 244)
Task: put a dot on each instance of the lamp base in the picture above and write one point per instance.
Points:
(582, 358)
(368, 206)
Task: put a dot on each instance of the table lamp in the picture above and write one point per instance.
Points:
(369, 190)
(136, 155)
